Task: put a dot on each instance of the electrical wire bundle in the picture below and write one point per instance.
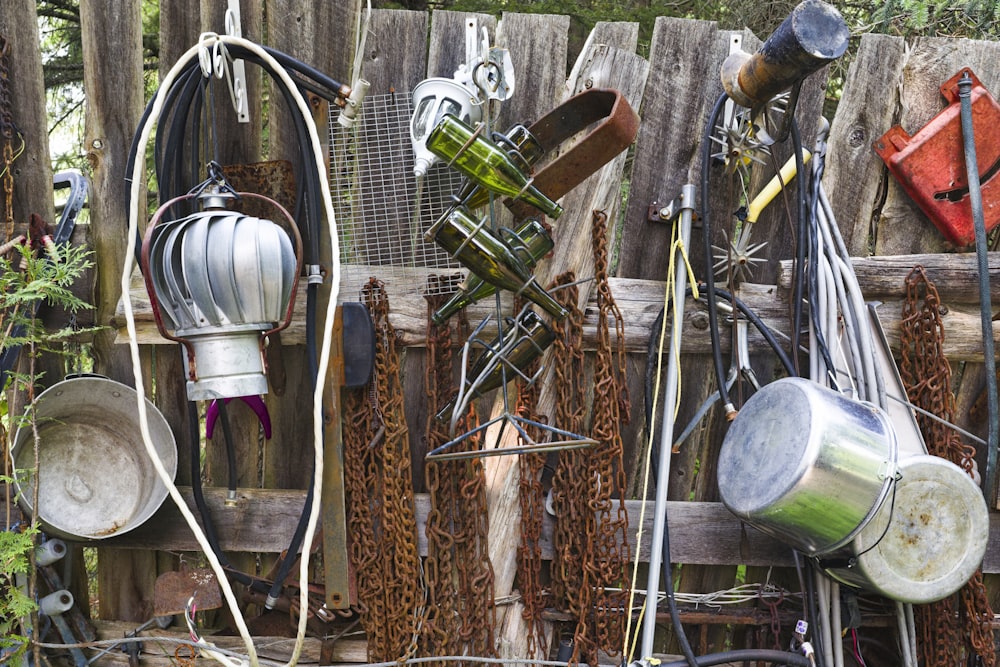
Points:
(829, 308)
(180, 101)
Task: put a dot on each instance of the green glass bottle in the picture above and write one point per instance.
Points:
(521, 146)
(488, 165)
(530, 242)
(521, 343)
(488, 256)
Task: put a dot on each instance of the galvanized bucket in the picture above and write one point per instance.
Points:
(95, 479)
(807, 465)
(925, 542)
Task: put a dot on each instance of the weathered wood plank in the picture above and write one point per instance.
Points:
(701, 533)
(640, 301)
(275, 649)
(447, 41)
(605, 67)
(683, 84)
(954, 275)
(395, 51)
(538, 45)
(855, 176)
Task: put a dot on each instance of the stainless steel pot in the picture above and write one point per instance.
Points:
(807, 465)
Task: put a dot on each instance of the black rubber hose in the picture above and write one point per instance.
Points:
(745, 655)
(194, 429)
(713, 317)
(759, 324)
(675, 619)
(300, 529)
(227, 433)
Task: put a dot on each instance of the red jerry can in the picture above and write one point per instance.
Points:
(930, 165)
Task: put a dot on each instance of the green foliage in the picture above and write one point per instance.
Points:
(41, 281)
(27, 281)
(62, 64)
(910, 18)
(14, 602)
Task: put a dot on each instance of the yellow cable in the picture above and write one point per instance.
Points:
(676, 247)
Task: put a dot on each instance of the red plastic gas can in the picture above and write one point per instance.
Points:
(930, 165)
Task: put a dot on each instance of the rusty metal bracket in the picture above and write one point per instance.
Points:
(614, 127)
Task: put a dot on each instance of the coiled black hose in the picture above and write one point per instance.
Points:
(178, 172)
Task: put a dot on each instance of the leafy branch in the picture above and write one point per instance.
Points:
(28, 281)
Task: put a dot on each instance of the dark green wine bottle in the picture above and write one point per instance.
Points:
(522, 147)
(488, 256)
(530, 242)
(521, 343)
(488, 165)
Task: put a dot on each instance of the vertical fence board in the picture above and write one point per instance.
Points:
(538, 48)
(112, 49)
(447, 40)
(302, 30)
(538, 45)
(855, 177)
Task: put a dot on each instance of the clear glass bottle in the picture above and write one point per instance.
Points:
(530, 242)
(485, 163)
(521, 343)
(489, 257)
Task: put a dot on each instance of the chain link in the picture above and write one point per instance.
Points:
(383, 519)
(590, 575)
(926, 375)
(461, 614)
(531, 500)
(610, 556)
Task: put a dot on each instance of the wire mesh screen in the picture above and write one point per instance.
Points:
(382, 211)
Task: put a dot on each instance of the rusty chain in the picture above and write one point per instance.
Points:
(383, 519)
(590, 576)
(610, 557)
(439, 634)
(531, 500)
(569, 483)
(7, 133)
(926, 375)
(461, 613)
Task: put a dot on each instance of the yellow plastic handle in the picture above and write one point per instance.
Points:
(773, 187)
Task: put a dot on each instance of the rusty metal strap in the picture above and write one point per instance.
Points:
(614, 125)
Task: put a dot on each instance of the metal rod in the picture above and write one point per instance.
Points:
(687, 201)
(976, 202)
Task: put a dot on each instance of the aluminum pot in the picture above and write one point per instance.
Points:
(925, 542)
(806, 464)
(95, 479)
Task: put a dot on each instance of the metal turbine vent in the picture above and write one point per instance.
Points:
(382, 208)
(220, 279)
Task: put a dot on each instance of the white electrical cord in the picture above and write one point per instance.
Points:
(210, 40)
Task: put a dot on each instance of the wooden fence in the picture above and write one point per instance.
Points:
(890, 81)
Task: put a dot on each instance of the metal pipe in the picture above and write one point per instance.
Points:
(687, 201)
(985, 307)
